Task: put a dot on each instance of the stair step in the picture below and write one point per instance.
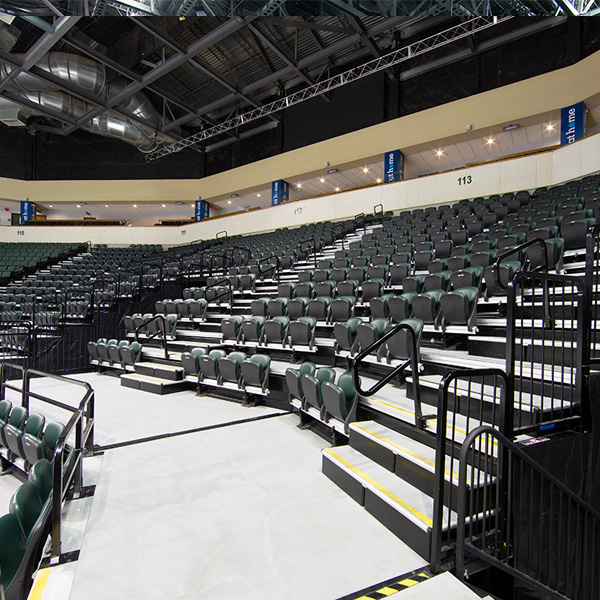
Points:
(172, 373)
(408, 458)
(402, 508)
(153, 385)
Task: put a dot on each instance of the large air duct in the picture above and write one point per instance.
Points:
(90, 76)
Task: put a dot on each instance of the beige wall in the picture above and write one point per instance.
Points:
(530, 172)
(486, 112)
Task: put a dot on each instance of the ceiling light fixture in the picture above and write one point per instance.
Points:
(439, 152)
(135, 206)
(228, 201)
(298, 185)
(258, 195)
(550, 127)
(365, 169)
(337, 189)
(322, 180)
(106, 206)
(490, 141)
(49, 205)
(378, 180)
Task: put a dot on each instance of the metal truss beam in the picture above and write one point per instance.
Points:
(224, 30)
(403, 54)
(275, 76)
(46, 42)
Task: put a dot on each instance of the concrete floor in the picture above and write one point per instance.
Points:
(240, 510)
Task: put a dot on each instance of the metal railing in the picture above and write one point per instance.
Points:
(221, 234)
(412, 362)
(271, 268)
(228, 292)
(360, 221)
(545, 349)
(592, 282)
(527, 524)
(467, 399)
(247, 252)
(67, 462)
(306, 246)
(341, 235)
(161, 331)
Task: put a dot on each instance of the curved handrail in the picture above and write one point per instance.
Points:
(515, 250)
(311, 245)
(276, 267)
(342, 230)
(228, 292)
(360, 221)
(226, 260)
(248, 253)
(219, 235)
(162, 331)
(412, 361)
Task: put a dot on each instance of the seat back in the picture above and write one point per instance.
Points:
(12, 549)
(293, 378)
(27, 507)
(40, 475)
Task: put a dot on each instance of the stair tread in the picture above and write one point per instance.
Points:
(416, 452)
(150, 379)
(414, 505)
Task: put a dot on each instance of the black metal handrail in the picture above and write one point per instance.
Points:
(592, 289)
(562, 522)
(271, 268)
(229, 292)
(213, 257)
(469, 403)
(560, 346)
(162, 331)
(67, 467)
(412, 361)
(378, 213)
(242, 249)
(516, 250)
(308, 244)
(360, 221)
(219, 234)
(342, 232)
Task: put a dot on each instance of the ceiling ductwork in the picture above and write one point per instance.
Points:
(90, 77)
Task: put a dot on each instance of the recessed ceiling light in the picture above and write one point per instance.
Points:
(365, 169)
(78, 205)
(337, 189)
(106, 206)
(258, 195)
(490, 141)
(164, 205)
(550, 127)
(378, 180)
(228, 201)
(298, 185)
(322, 180)
(49, 205)
(439, 152)
(135, 206)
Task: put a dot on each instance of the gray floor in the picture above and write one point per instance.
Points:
(239, 511)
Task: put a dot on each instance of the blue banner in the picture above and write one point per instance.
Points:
(280, 192)
(573, 123)
(393, 166)
(28, 211)
(202, 210)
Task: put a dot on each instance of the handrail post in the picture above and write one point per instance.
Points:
(439, 475)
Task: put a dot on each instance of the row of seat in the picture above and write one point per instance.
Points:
(23, 531)
(319, 389)
(26, 436)
(113, 352)
(217, 366)
(151, 324)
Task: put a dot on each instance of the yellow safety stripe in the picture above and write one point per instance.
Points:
(37, 591)
(413, 454)
(395, 498)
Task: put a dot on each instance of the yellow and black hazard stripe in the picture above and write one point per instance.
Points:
(392, 586)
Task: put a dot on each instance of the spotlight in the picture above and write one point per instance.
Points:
(228, 201)
(439, 152)
(337, 189)
(490, 141)
(365, 169)
(550, 127)
(322, 180)
(135, 206)
(298, 185)
(378, 180)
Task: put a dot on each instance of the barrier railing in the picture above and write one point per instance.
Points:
(274, 266)
(227, 293)
(527, 523)
(161, 332)
(67, 462)
(467, 399)
(546, 338)
(592, 282)
(412, 361)
(306, 246)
